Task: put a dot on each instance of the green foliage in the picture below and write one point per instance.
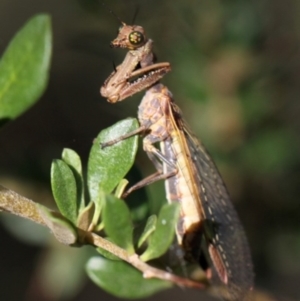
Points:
(162, 237)
(24, 67)
(107, 166)
(118, 226)
(64, 189)
(106, 169)
(122, 280)
(66, 174)
(73, 160)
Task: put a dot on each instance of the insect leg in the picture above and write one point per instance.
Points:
(157, 176)
(139, 130)
(158, 159)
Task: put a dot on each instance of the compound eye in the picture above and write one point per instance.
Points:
(136, 38)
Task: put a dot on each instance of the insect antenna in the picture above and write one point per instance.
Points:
(113, 13)
(135, 14)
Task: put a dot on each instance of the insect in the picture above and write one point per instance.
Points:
(208, 230)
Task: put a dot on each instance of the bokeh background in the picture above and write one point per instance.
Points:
(236, 71)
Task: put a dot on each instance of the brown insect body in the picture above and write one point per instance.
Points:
(208, 223)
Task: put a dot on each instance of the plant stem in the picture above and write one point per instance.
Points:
(16, 204)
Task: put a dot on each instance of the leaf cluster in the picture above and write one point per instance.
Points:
(100, 211)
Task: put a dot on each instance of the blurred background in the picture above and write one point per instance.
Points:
(235, 74)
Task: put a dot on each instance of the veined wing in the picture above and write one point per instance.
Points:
(225, 237)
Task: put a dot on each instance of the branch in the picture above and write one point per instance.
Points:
(16, 204)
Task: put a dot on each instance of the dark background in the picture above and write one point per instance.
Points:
(236, 70)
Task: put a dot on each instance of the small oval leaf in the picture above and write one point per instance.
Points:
(24, 67)
(64, 190)
(162, 237)
(117, 222)
(108, 166)
(60, 227)
(122, 280)
(73, 160)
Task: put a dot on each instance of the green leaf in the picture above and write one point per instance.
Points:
(162, 237)
(60, 227)
(107, 167)
(122, 280)
(73, 160)
(24, 67)
(64, 190)
(149, 228)
(117, 222)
